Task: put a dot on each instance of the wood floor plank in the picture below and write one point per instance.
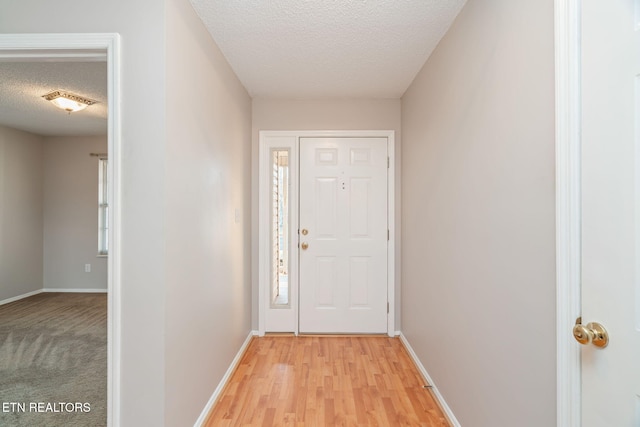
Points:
(326, 381)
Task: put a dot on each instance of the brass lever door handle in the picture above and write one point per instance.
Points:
(591, 333)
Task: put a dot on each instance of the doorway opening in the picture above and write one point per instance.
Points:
(284, 242)
(87, 48)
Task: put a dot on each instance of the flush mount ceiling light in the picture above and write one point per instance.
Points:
(68, 101)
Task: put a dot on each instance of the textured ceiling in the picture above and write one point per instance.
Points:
(22, 107)
(327, 48)
(278, 48)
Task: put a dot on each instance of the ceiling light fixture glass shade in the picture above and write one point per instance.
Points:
(68, 101)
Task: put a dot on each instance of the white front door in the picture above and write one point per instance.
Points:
(610, 201)
(343, 235)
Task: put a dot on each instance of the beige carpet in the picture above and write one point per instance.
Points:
(53, 361)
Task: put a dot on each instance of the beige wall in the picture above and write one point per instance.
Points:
(140, 24)
(323, 114)
(71, 214)
(21, 213)
(208, 174)
(48, 218)
(478, 215)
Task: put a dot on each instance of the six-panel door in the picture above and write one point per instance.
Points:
(343, 235)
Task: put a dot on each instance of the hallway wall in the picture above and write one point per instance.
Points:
(208, 180)
(478, 215)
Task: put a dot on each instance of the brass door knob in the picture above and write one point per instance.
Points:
(582, 334)
(304, 246)
(591, 333)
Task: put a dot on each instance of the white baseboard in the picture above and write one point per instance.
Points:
(225, 379)
(426, 376)
(85, 291)
(39, 291)
(19, 297)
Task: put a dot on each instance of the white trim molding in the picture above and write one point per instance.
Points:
(568, 209)
(443, 405)
(51, 290)
(19, 297)
(91, 47)
(283, 319)
(79, 291)
(225, 379)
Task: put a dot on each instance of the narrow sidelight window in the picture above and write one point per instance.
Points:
(280, 228)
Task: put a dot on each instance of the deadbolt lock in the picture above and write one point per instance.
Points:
(305, 231)
(591, 333)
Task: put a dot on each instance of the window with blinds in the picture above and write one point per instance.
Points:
(103, 208)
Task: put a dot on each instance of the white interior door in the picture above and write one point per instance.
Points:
(610, 200)
(343, 235)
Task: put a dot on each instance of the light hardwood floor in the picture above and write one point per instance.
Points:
(326, 381)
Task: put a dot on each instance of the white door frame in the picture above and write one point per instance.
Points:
(568, 208)
(97, 46)
(288, 139)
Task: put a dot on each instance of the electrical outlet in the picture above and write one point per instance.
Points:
(87, 268)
